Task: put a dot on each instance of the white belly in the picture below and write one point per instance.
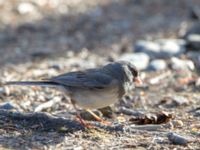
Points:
(95, 99)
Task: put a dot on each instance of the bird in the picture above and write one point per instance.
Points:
(92, 88)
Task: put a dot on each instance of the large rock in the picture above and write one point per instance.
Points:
(140, 60)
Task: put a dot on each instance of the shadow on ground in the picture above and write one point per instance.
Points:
(34, 129)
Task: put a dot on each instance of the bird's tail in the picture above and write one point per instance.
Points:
(33, 83)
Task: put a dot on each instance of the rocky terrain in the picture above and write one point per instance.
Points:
(41, 39)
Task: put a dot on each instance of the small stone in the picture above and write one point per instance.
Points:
(180, 100)
(25, 8)
(56, 66)
(177, 123)
(177, 139)
(4, 91)
(140, 60)
(8, 106)
(130, 112)
(178, 64)
(169, 125)
(1, 90)
(148, 47)
(169, 48)
(174, 101)
(194, 37)
(197, 83)
(41, 54)
(194, 41)
(197, 113)
(195, 57)
(180, 42)
(78, 148)
(157, 64)
(162, 48)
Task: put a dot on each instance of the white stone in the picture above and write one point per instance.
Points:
(140, 60)
(157, 64)
(25, 8)
(178, 64)
(171, 48)
(148, 47)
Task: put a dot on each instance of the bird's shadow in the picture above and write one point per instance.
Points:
(34, 129)
(39, 129)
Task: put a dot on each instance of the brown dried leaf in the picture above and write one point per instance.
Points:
(158, 118)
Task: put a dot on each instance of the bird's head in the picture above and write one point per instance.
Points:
(132, 73)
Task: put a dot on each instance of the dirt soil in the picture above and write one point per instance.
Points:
(53, 37)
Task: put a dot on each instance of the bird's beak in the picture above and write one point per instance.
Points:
(138, 81)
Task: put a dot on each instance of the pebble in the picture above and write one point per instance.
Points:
(8, 106)
(41, 54)
(177, 123)
(4, 91)
(140, 60)
(25, 8)
(57, 67)
(149, 127)
(193, 41)
(180, 100)
(1, 90)
(177, 139)
(130, 112)
(197, 113)
(192, 36)
(197, 83)
(157, 64)
(180, 42)
(174, 101)
(162, 48)
(148, 47)
(195, 57)
(178, 64)
(171, 47)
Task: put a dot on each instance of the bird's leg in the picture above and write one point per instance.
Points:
(98, 118)
(82, 121)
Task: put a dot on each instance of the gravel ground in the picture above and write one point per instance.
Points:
(41, 39)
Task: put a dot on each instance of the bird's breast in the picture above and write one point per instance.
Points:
(96, 98)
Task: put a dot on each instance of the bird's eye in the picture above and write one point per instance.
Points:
(133, 71)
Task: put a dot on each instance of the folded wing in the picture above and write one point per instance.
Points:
(87, 79)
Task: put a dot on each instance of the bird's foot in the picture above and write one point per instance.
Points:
(104, 122)
(99, 119)
(84, 123)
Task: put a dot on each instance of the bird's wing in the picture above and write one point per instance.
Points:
(86, 79)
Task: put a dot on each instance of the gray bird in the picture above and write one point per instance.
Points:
(93, 88)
